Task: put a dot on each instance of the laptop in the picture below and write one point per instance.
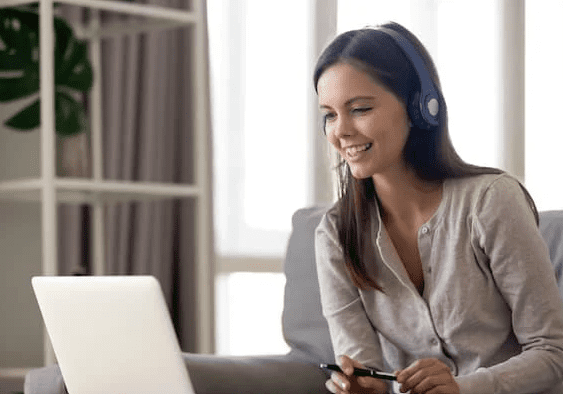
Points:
(112, 334)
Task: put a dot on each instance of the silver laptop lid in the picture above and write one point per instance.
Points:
(112, 334)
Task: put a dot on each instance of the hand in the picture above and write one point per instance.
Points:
(427, 376)
(347, 383)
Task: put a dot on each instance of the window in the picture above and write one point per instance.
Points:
(261, 109)
(243, 296)
(260, 92)
(544, 84)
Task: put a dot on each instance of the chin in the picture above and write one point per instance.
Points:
(360, 174)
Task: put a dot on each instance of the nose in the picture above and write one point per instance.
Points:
(341, 127)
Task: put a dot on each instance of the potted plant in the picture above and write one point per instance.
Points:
(19, 70)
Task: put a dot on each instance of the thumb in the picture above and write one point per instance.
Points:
(348, 364)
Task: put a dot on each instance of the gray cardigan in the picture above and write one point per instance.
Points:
(490, 308)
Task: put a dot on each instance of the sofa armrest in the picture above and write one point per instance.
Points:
(254, 375)
(219, 375)
(46, 380)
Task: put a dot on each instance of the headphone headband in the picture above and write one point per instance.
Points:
(424, 107)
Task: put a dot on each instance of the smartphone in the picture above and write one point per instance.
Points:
(361, 372)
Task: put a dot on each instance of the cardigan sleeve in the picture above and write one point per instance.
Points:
(504, 228)
(351, 332)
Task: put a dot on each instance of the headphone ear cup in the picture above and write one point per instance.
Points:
(419, 117)
(414, 111)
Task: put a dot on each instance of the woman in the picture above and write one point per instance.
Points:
(429, 267)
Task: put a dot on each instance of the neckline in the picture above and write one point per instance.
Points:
(388, 249)
(434, 216)
(438, 213)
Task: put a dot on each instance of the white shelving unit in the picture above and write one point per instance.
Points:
(51, 190)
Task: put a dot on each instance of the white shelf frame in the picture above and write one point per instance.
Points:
(51, 190)
(146, 10)
(86, 191)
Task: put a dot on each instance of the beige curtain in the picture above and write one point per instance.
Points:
(147, 136)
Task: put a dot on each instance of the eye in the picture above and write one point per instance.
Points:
(328, 117)
(361, 110)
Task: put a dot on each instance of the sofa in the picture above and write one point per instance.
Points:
(304, 328)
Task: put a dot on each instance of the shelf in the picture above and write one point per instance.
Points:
(11, 373)
(158, 18)
(150, 11)
(113, 29)
(14, 3)
(147, 10)
(48, 191)
(86, 191)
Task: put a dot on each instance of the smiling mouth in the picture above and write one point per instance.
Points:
(356, 150)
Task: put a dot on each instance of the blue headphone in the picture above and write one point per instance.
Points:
(424, 107)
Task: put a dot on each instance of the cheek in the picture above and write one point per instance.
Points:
(396, 143)
(402, 130)
(335, 142)
(405, 135)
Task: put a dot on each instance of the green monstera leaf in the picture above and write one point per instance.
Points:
(19, 71)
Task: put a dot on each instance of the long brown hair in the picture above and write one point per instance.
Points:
(430, 153)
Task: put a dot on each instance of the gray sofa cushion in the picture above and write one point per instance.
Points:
(304, 327)
(47, 380)
(551, 228)
(253, 375)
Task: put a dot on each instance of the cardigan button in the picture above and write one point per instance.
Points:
(424, 230)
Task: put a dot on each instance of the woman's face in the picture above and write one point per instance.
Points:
(366, 123)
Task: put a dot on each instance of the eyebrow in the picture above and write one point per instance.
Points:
(351, 101)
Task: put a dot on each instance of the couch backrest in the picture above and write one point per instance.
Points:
(304, 326)
(551, 228)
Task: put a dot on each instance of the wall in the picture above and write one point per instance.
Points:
(21, 327)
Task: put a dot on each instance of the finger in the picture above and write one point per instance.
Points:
(406, 373)
(424, 385)
(376, 385)
(340, 381)
(418, 365)
(331, 386)
(421, 381)
(348, 364)
(442, 382)
(427, 375)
